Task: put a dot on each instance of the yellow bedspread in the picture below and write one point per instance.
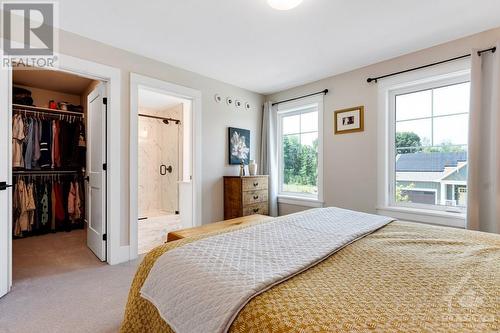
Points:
(405, 277)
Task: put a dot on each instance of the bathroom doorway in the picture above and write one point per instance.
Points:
(160, 165)
(165, 161)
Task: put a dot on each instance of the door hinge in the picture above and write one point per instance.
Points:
(104, 237)
(105, 101)
(105, 166)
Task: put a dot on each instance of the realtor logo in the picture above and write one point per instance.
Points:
(29, 34)
(468, 305)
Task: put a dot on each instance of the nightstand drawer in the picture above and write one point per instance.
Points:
(252, 197)
(254, 183)
(260, 208)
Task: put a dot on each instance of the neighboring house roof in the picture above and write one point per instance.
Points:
(428, 162)
(419, 176)
(458, 174)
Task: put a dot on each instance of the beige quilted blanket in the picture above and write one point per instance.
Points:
(405, 277)
(216, 276)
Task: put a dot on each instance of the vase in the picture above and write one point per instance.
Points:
(252, 168)
(242, 169)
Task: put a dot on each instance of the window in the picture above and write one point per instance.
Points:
(299, 140)
(429, 131)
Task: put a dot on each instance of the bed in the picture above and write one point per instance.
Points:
(402, 277)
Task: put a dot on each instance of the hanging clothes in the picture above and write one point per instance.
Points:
(56, 144)
(44, 144)
(37, 131)
(74, 203)
(45, 205)
(17, 141)
(45, 160)
(28, 152)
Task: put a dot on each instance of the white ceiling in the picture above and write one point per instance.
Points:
(248, 44)
(154, 101)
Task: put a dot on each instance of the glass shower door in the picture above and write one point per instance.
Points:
(169, 169)
(158, 168)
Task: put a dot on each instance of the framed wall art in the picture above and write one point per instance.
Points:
(349, 120)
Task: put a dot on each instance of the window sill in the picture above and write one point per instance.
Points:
(456, 220)
(300, 201)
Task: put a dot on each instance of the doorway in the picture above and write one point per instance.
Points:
(58, 181)
(165, 170)
(160, 158)
(105, 93)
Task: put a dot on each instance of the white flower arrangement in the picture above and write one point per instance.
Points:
(239, 147)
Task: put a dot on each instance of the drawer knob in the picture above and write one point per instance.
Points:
(255, 184)
(255, 197)
(255, 210)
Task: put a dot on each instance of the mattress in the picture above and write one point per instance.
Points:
(403, 277)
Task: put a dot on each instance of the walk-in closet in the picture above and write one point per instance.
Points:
(52, 200)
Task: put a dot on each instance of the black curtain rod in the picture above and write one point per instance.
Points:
(371, 79)
(324, 92)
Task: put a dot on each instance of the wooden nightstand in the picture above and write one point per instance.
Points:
(247, 195)
(247, 220)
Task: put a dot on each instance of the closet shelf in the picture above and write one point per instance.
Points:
(22, 108)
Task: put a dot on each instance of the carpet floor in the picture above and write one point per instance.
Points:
(60, 286)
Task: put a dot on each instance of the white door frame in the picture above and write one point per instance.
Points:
(6, 225)
(136, 82)
(112, 76)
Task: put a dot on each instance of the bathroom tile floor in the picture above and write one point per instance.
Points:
(153, 231)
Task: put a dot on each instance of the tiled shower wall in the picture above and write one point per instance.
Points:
(159, 144)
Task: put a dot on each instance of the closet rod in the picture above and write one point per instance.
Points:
(371, 79)
(177, 121)
(36, 109)
(47, 172)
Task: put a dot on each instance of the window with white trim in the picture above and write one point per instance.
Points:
(299, 148)
(428, 143)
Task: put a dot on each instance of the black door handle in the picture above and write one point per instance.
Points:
(87, 178)
(162, 168)
(4, 186)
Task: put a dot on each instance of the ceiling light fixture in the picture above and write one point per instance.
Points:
(284, 4)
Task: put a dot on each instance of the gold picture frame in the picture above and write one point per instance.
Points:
(349, 120)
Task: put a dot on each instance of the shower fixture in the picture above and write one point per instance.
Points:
(166, 121)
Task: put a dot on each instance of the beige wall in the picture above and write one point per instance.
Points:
(350, 160)
(41, 97)
(215, 118)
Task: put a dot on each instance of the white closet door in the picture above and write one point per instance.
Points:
(96, 184)
(5, 191)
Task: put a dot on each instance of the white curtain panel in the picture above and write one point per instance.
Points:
(483, 212)
(269, 154)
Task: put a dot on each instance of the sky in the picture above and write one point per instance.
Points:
(449, 106)
(306, 123)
